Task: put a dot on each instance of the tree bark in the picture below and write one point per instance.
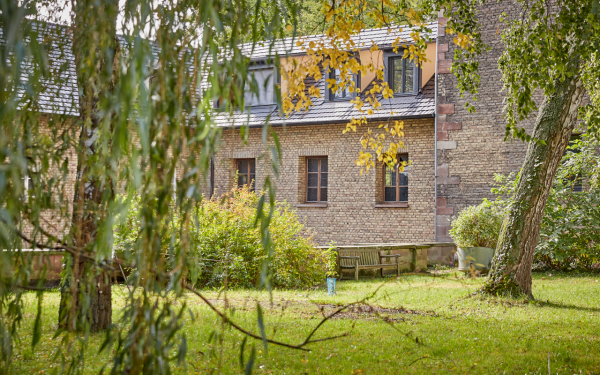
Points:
(86, 292)
(512, 264)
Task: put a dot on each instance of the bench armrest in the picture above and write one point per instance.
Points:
(390, 256)
(349, 257)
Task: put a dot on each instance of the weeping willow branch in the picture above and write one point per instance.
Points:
(300, 346)
(308, 339)
(62, 247)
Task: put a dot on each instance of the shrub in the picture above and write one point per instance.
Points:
(224, 244)
(570, 230)
(478, 226)
(330, 257)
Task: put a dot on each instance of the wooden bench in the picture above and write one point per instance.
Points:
(378, 256)
(373, 257)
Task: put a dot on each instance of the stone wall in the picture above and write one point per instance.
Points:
(471, 146)
(351, 215)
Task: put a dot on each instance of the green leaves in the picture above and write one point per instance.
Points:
(570, 230)
(478, 226)
(133, 112)
(261, 325)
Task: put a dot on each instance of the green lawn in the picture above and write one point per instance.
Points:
(456, 333)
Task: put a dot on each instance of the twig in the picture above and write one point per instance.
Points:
(62, 247)
(34, 288)
(123, 273)
(418, 359)
(339, 311)
(300, 346)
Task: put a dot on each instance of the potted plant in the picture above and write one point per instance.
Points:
(331, 268)
(475, 232)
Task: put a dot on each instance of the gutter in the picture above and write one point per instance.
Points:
(435, 163)
(332, 122)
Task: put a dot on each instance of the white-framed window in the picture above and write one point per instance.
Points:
(342, 93)
(266, 80)
(29, 180)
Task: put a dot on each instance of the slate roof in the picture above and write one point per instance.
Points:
(383, 38)
(60, 96)
(324, 111)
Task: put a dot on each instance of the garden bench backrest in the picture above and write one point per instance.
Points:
(367, 257)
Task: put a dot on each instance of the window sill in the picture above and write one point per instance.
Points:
(315, 205)
(392, 205)
(399, 95)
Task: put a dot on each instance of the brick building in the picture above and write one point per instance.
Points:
(449, 170)
(453, 154)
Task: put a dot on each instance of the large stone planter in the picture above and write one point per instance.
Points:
(478, 257)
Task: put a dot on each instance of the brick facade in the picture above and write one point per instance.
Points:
(351, 215)
(470, 149)
(471, 146)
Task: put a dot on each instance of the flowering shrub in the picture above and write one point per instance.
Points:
(225, 246)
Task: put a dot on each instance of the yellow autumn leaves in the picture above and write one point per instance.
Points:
(339, 50)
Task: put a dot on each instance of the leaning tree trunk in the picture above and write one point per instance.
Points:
(86, 292)
(512, 264)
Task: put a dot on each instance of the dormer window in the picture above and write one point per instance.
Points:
(266, 80)
(403, 75)
(343, 93)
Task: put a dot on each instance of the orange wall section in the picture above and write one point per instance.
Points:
(366, 57)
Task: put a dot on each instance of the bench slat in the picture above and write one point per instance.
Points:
(382, 257)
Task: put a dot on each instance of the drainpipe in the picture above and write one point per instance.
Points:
(212, 176)
(174, 186)
(436, 131)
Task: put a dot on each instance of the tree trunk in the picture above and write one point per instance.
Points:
(512, 264)
(86, 292)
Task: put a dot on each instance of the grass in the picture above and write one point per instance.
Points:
(427, 325)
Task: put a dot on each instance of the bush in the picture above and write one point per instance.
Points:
(570, 230)
(224, 244)
(478, 226)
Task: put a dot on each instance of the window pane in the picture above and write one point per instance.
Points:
(397, 75)
(313, 165)
(390, 176)
(390, 194)
(252, 177)
(323, 179)
(265, 81)
(323, 195)
(403, 194)
(324, 165)
(313, 179)
(340, 92)
(403, 179)
(408, 82)
(242, 180)
(243, 166)
(252, 166)
(311, 194)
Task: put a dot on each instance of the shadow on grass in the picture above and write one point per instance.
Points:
(564, 306)
(537, 275)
